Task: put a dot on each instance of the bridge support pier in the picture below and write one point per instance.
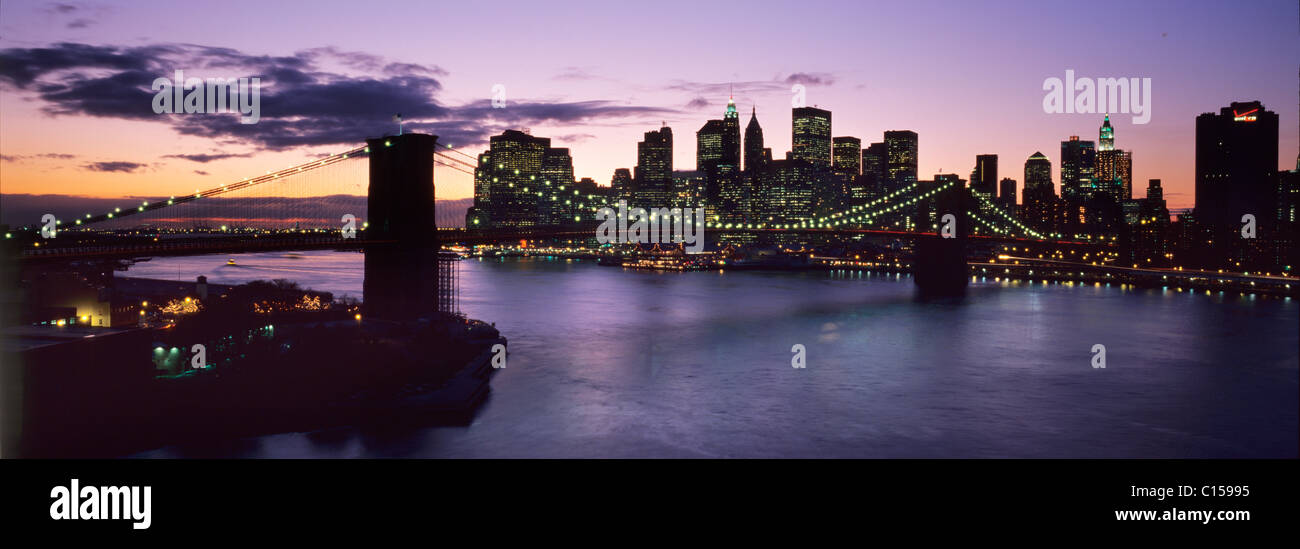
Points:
(939, 265)
(401, 280)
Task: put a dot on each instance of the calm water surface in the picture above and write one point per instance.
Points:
(612, 363)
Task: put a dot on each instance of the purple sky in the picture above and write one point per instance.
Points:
(594, 76)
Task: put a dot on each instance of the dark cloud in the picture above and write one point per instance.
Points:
(20, 158)
(79, 23)
(302, 102)
(697, 103)
(205, 158)
(810, 78)
(200, 172)
(21, 66)
(115, 166)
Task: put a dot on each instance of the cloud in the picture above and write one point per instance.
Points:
(20, 157)
(205, 158)
(574, 73)
(572, 138)
(305, 100)
(697, 103)
(200, 172)
(119, 166)
(810, 78)
(81, 18)
(777, 84)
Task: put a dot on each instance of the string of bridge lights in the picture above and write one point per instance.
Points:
(864, 215)
(214, 191)
(1006, 216)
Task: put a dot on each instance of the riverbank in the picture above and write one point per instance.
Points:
(286, 376)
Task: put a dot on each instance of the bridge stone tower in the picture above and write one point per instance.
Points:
(939, 266)
(402, 265)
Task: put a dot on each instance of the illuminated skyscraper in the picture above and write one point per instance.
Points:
(843, 186)
(787, 192)
(846, 155)
(708, 146)
(874, 160)
(1078, 180)
(509, 171)
(811, 136)
(717, 158)
(557, 204)
(1040, 201)
(901, 158)
(731, 136)
(621, 185)
(654, 169)
(1114, 166)
(1106, 136)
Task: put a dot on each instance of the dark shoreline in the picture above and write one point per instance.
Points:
(68, 414)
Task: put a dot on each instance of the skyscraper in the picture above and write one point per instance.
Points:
(509, 171)
(1007, 193)
(477, 215)
(708, 146)
(1124, 171)
(1114, 173)
(843, 186)
(1040, 202)
(754, 159)
(556, 175)
(901, 158)
(621, 185)
(1236, 163)
(811, 136)
(717, 158)
(1106, 136)
(787, 193)
(1150, 233)
(731, 136)
(654, 169)
(1078, 180)
(846, 155)
(874, 160)
(985, 177)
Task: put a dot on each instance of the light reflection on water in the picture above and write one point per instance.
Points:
(612, 363)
